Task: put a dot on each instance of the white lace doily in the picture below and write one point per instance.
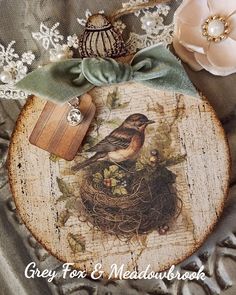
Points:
(14, 67)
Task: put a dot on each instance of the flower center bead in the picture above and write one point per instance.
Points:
(215, 28)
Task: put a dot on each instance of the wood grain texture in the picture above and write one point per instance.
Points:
(201, 183)
(53, 133)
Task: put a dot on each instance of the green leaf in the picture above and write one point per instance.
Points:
(114, 122)
(109, 100)
(70, 204)
(112, 99)
(107, 173)
(139, 166)
(63, 217)
(123, 191)
(62, 198)
(76, 243)
(97, 177)
(120, 190)
(113, 168)
(113, 182)
(54, 158)
(63, 187)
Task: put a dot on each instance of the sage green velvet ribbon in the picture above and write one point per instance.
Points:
(155, 66)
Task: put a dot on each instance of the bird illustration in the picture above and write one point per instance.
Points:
(123, 143)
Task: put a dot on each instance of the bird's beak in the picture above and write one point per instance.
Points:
(150, 122)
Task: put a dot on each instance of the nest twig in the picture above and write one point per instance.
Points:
(151, 204)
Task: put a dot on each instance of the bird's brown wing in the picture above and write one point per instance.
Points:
(120, 138)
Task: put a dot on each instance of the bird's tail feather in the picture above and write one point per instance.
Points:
(87, 162)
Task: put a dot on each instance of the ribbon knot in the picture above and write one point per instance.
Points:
(103, 71)
(155, 66)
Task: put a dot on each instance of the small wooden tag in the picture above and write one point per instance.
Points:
(54, 134)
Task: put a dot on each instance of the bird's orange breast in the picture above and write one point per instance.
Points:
(130, 152)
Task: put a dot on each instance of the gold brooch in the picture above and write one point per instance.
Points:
(215, 28)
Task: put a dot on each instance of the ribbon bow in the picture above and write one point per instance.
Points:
(154, 66)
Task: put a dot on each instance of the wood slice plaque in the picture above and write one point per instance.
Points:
(146, 187)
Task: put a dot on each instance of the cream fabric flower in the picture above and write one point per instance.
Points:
(205, 35)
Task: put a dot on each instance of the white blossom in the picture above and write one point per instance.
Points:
(28, 57)
(48, 36)
(73, 41)
(17, 69)
(7, 54)
(12, 69)
(119, 25)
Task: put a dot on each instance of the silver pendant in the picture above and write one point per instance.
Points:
(74, 116)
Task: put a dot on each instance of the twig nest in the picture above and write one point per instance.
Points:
(126, 202)
(101, 39)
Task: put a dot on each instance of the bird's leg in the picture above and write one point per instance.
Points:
(132, 172)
